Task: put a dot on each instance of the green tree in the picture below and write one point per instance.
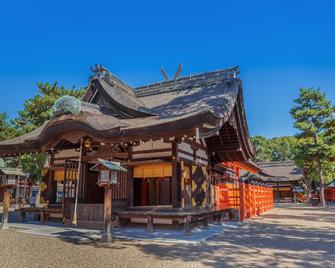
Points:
(274, 149)
(6, 130)
(36, 111)
(262, 149)
(314, 117)
(283, 148)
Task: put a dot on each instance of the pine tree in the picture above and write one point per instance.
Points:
(314, 116)
(35, 112)
(38, 109)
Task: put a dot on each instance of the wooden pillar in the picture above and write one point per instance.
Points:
(278, 194)
(253, 200)
(247, 201)
(182, 185)
(144, 192)
(107, 235)
(175, 175)
(48, 193)
(150, 223)
(5, 209)
(206, 221)
(188, 225)
(242, 200)
(130, 179)
(24, 191)
(80, 174)
(17, 189)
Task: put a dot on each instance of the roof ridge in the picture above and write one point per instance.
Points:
(276, 162)
(165, 86)
(234, 70)
(101, 71)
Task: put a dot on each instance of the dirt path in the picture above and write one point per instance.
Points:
(285, 237)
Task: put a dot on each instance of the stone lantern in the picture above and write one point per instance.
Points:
(108, 178)
(6, 184)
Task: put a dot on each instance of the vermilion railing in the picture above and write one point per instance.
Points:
(330, 194)
(251, 199)
(228, 195)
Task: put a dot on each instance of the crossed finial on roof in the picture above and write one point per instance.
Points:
(180, 68)
(98, 71)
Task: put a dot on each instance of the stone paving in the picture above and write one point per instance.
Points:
(129, 233)
(290, 236)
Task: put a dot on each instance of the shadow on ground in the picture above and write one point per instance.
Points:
(292, 236)
(289, 236)
(272, 247)
(259, 244)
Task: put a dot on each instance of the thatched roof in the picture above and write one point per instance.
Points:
(211, 102)
(276, 172)
(213, 92)
(281, 171)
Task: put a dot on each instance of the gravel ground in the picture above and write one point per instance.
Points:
(291, 236)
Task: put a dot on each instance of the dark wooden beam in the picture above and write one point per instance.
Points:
(194, 145)
(175, 174)
(50, 183)
(223, 148)
(107, 235)
(130, 179)
(163, 150)
(113, 155)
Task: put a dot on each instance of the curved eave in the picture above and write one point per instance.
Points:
(72, 128)
(121, 99)
(232, 141)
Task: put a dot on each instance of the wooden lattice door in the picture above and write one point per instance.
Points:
(70, 186)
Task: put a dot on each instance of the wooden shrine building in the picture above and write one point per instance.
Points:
(173, 137)
(19, 191)
(283, 176)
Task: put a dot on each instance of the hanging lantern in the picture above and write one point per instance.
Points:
(87, 143)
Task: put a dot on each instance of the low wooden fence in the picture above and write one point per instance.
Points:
(94, 212)
(258, 199)
(228, 195)
(251, 199)
(330, 194)
(89, 212)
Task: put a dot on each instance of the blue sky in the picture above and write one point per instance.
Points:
(279, 46)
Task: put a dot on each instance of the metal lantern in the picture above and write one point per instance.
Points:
(87, 143)
(108, 172)
(107, 177)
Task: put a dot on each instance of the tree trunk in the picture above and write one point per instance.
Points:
(321, 179)
(322, 184)
(306, 185)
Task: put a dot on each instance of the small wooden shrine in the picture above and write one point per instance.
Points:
(174, 138)
(284, 177)
(330, 192)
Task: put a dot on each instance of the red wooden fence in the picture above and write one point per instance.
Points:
(251, 199)
(330, 194)
(228, 195)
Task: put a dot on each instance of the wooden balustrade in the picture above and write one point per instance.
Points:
(257, 198)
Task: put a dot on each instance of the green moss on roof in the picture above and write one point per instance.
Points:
(12, 171)
(9, 170)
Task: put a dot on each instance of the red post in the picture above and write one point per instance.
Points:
(242, 201)
(248, 200)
